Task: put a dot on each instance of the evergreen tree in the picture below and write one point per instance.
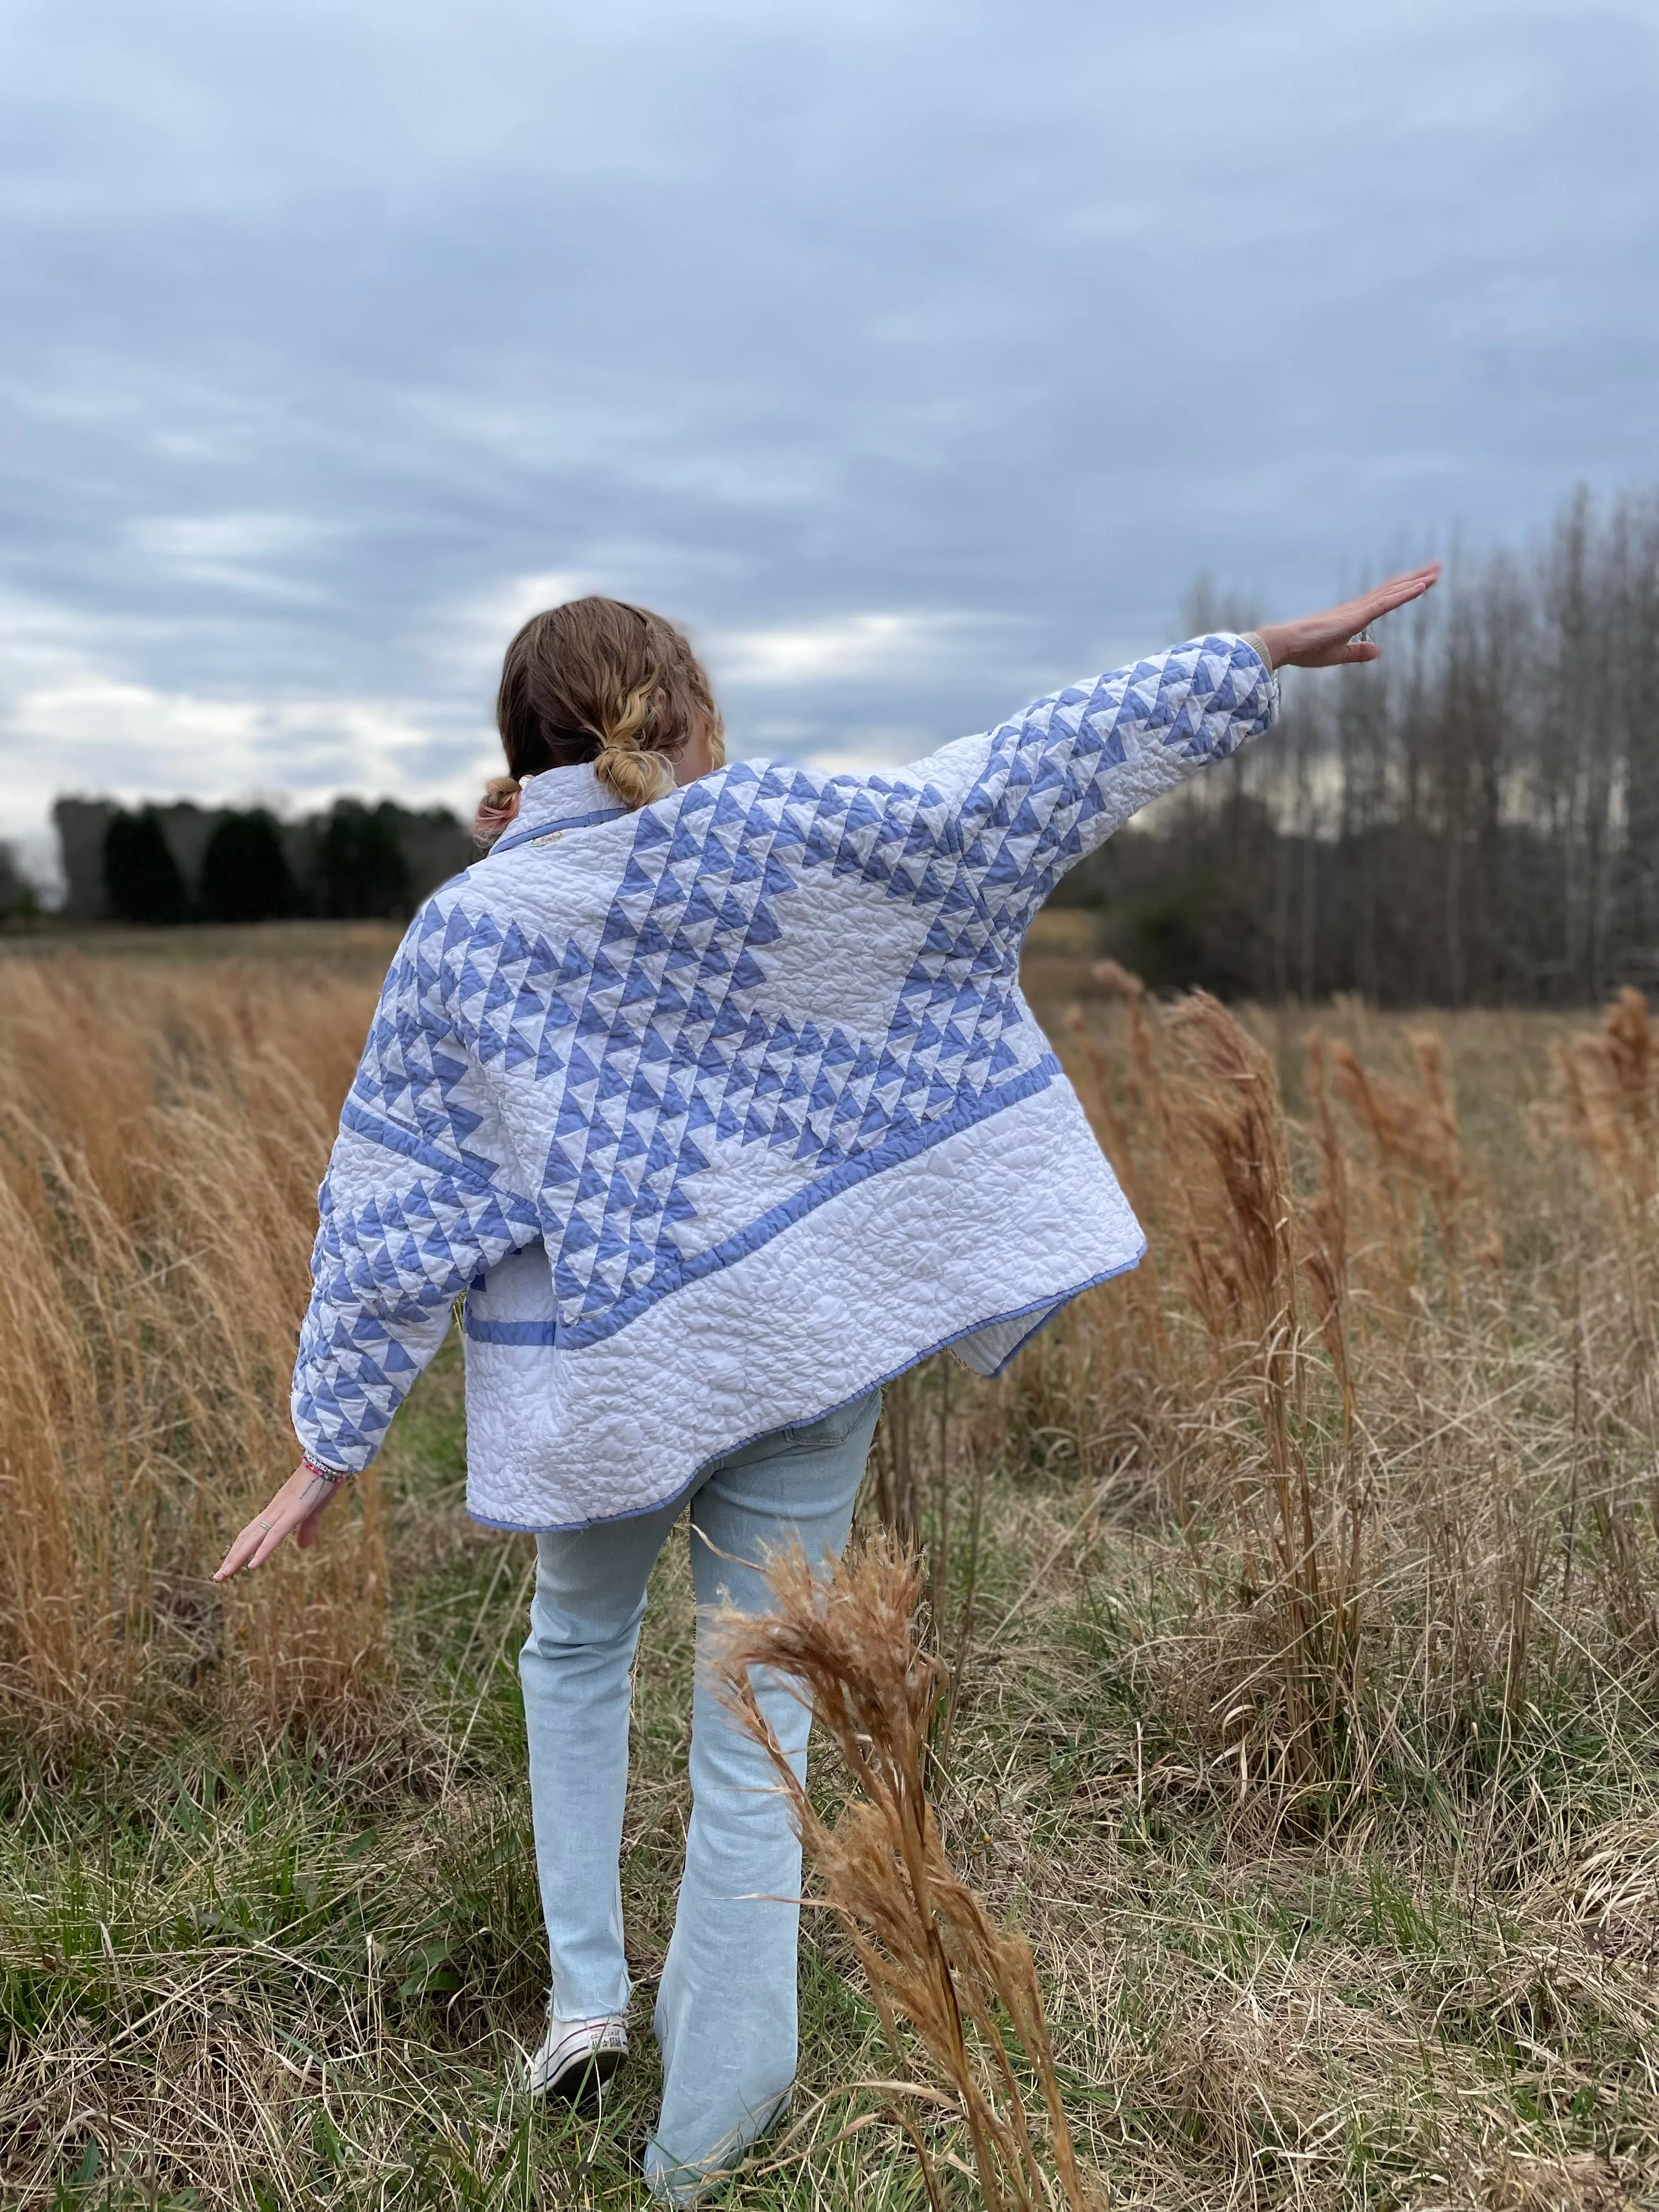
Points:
(141, 876)
(360, 862)
(245, 876)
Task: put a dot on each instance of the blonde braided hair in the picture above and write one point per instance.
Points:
(631, 775)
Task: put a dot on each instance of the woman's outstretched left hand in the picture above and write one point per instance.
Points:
(299, 1505)
(1329, 640)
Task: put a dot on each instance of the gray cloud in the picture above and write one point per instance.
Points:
(917, 356)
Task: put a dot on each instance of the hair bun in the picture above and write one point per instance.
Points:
(634, 776)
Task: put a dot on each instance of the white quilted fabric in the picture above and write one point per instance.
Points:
(718, 1113)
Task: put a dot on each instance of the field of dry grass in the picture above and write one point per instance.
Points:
(1295, 1606)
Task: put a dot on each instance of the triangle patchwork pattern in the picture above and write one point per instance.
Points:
(622, 1063)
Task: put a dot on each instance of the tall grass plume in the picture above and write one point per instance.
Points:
(932, 1957)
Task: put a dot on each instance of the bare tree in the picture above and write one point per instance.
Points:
(1475, 818)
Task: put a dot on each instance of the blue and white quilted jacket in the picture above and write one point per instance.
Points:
(716, 1113)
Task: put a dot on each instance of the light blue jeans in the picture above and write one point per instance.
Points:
(725, 2005)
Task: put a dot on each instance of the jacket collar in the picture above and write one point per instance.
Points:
(558, 798)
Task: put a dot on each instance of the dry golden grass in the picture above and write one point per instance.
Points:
(1372, 1443)
(162, 1136)
(1289, 1638)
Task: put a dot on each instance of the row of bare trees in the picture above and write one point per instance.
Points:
(1475, 818)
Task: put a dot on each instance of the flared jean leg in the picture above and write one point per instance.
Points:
(725, 2015)
(575, 1667)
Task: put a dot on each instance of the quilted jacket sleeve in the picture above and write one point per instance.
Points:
(423, 1192)
(1056, 780)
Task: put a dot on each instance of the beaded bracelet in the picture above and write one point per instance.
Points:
(332, 1475)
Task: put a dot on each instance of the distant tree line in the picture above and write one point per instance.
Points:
(180, 864)
(1473, 818)
(18, 897)
(359, 868)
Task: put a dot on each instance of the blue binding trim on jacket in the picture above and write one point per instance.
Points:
(510, 1332)
(525, 833)
(375, 1125)
(904, 1146)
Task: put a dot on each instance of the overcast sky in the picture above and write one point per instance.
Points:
(916, 356)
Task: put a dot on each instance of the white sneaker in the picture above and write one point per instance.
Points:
(577, 2056)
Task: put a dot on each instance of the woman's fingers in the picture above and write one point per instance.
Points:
(240, 1553)
(254, 1545)
(275, 1529)
(1399, 591)
(1371, 606)
(298, 1504)
(1329, 640)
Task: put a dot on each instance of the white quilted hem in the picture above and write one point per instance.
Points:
(851, 1295)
